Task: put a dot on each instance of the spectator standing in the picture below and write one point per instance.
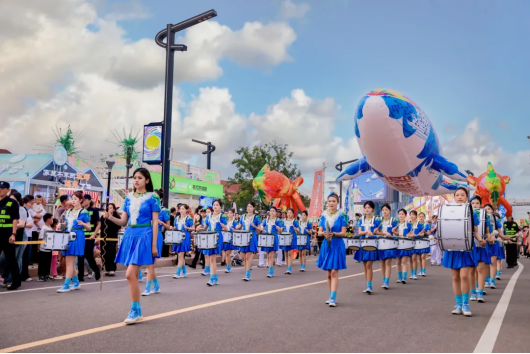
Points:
(95, 226)
(109, 230)
(511, 230)
(28, 202)
(45, 256)
(9, 208)
(200, 215)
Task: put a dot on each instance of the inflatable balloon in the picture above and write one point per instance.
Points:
(491, 186)
(399, 144)
(273, 186)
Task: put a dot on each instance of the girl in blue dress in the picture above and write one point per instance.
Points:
(460, 263)
(388, 223)
(183, 223)
(249, 222)
(215, 222)
(228, 247)
(402, 256)
(417, 230)
(139, 243)
(368, 225)
(477, 278)
(493, 246)
(423, 253)
(271, 225)
(77, 220)
(332, 256)
(290, 225)
(305, 229)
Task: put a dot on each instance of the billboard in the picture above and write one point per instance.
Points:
(152, 144)
(367, 186)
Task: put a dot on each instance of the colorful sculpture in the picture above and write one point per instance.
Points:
(399, 144)
(491, 186)
(274, 188)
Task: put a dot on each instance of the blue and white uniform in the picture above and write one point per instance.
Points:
(417, 228)
(426, 228)
(288, 227)
(460, 259)
(271, 226)
(305, 229)
(181, 223)
(387, 226)
(480, 254)
(246, 222)
(137, 240)
(494, 249)
(404, 229)
(164, 217)
(365, 224)
(332, 255)
(214, 223)
(76, 247)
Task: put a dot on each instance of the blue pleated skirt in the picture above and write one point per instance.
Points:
(76, 247)
(228, 246)
(159, 244)
(135, 246)
(306, 247)
(403, 253)
(458, 259)
(503, 253)
(185, 246)
(271, 249)
(334, 257)
(426, 250)
(358, 255)
(480, 254)
(387, 254)
(370, 256)
(495, 250)
(293, 245)
(253, 248)
(219, 248)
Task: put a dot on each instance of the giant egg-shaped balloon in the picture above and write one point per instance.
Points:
(399, 143)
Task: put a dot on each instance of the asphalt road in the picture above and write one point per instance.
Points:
(282, 314)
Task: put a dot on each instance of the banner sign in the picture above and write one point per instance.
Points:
(315, 208)
(152, 145)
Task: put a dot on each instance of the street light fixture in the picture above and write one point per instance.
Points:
(208, 152)
(169, 35)
(110, 163)
(339, 168)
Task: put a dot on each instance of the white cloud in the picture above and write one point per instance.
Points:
(289, 9)
(472, 149)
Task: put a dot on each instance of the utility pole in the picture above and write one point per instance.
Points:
(210, 148)
(339, 168)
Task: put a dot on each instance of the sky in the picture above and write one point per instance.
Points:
(286, 70)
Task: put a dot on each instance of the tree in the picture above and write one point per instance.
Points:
(306, 200)
(67, 140)
(252, 160)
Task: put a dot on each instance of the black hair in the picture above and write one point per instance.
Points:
(218, 201)
(29, 197)
(54, 223)
(370, 204)
(489, 205)
(305, 212)
(172, 210)
(25, 200)
(422, 213)
(386, 206)
(160, 193)
(210, 208)
(17, 196)
(476, 197)
(273, 208)
(63, 198)
(414, 212)
(463, 189)
(358, 214)
(231, 210)
(252, 203)
(291, 209)
(47, 217)
(145, 172)
(115, 214)
(38, 196)
(402, 210)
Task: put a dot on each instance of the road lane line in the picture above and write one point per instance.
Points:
(120, 280)
(162, 315)
(489, 336)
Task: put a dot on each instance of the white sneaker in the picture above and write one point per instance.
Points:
(89, 276)
(29, 279)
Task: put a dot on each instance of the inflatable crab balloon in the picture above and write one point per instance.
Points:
(399, 144)
(491, 186)
(275, 188)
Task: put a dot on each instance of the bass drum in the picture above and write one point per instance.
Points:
(455, 227)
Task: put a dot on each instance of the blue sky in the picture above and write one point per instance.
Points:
(458, 60)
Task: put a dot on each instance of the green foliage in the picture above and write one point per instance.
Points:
(67, 140)
(128, 144)
(252, 160)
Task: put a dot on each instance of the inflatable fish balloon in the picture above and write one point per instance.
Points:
(399, 144)
(491, 186)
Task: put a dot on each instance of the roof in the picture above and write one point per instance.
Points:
(20, 166)
(232, 189)
(4, 151)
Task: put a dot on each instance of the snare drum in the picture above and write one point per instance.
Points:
(369, 244)
(301, 240)
(227, 237)
(241, 238)
(406, 244)
(387, 243)
(421, 243)
(174, 237)
(455, 227)
(58, 241)
(354, 243)
(266, 240)
(207, 240)
(285, 239)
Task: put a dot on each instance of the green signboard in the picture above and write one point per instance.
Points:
(188, 186)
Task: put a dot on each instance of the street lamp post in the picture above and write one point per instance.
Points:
(110, 163)
(339, 168)
(128, 166)
(169, 35)
(208, 152)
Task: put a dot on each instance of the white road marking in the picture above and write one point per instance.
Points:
(489, 337)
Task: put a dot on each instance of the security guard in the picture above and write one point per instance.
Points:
(8, 227)
(95, 226)
(511, 229)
